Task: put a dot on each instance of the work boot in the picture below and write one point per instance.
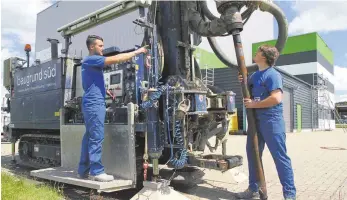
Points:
(247, 194)
(102, 177)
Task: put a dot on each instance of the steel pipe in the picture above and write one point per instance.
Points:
(252, 130)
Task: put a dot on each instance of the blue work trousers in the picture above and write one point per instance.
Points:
(91, 150)
(275, 139)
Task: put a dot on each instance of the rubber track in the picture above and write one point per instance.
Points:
(34, 162)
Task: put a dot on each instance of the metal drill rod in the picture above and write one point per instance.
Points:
(251, 131)
(155, 163)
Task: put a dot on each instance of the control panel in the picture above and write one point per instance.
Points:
(123, 80)
(114, 83)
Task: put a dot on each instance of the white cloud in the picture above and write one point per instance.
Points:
(5, 53)
(340, 76)
(18, 26)
(341, 83)
(340, 98)
(322, 16)
(5, 42)
(19, 18)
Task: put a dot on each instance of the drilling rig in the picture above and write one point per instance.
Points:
(158, 110)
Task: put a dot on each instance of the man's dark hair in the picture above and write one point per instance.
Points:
(91, 39)
(270, 53)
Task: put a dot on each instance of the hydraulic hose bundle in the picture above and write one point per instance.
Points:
(231, 22)
(180, 160)
(154, 96)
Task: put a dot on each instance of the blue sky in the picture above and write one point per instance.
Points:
(336, 40)
(328, 18)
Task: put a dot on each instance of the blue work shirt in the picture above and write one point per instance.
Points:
(262, 83)
(93, 79)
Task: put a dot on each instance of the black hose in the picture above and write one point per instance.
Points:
(197, 69)
(215, 27)
(247, 13)
(206, 11)
(281, 21)
(219, 52)
(282, 35)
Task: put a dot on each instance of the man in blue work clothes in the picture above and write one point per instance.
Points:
(93, 107)
(266, 89)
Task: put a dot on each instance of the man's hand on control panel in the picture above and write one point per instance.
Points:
(143, 49)
(125, 56)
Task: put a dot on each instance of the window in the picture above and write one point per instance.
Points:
(115, 79)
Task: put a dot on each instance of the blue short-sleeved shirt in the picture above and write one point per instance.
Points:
(262, 83)
(93, 79)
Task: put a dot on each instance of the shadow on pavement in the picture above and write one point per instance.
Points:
(204, 192)
(192, 185)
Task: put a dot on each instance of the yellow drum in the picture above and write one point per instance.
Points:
(233, 123)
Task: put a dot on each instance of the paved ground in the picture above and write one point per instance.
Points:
(319, 160)
(320, 171)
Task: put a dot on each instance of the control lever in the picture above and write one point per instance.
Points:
(110, 94)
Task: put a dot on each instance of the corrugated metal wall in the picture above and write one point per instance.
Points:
(302, 94)
(226, 78)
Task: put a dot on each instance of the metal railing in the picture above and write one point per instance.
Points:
(208, 78)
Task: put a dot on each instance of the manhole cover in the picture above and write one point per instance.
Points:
(333, 148)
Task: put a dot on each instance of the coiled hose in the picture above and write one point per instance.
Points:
(178, 162)
(154, 97)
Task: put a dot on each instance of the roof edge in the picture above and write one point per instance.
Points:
(293, 36)
(54, 4)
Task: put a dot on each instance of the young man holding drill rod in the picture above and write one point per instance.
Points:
(266, 89)
(93, 106)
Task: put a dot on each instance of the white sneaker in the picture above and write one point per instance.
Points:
(102, 177)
